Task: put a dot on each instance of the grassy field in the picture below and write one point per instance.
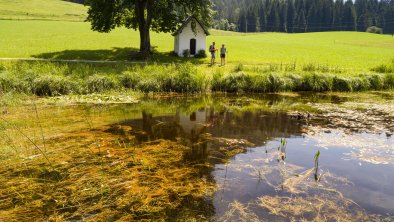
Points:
(335, 49)
(42, 10)
(75, 40)
(257, 62)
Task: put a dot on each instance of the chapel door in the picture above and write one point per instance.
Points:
(192, 46)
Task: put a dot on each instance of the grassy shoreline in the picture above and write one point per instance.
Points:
(54, 79)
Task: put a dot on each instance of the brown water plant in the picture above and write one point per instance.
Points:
(151, 182)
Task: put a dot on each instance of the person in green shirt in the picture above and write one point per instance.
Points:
(223, 52)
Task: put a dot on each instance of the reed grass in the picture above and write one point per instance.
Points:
(385, 67)
(53, 79)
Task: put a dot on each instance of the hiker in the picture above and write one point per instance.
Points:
(223, 52)
(213, 50)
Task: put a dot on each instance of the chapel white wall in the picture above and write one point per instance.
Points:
(184, 37)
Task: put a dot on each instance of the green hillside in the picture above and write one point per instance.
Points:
(42, 10)
(75, 40)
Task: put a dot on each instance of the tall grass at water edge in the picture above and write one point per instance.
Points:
(52, 79)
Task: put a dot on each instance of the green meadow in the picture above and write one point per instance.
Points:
(256, 62)
(75, 40)
(41, 10)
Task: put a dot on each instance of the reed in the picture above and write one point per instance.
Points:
(54, 79)
(316, 168)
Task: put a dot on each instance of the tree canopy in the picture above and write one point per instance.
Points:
(146, 15)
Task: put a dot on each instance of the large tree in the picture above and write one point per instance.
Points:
(146, 15)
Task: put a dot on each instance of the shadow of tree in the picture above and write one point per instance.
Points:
(117, 54)
(99, 54)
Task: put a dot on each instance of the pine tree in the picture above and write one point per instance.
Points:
(251, 20)
(242, 21)
(349, 16)
(311, 19)
(291, 16)
(301, 22)
(283, 17)
(337, 20)
(273, 20)
(262, 18)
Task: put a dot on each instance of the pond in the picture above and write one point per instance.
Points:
(261, 157)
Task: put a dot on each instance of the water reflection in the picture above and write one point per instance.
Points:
(213, 134)
(285, 166)
(207, 131)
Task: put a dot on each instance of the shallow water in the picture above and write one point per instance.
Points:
(257, 178)
(367, 184)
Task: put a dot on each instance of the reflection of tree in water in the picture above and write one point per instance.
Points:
(210, 134)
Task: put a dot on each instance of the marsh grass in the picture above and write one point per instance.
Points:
(384, 68)
(54, 79)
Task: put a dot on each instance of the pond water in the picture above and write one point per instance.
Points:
(271, 157)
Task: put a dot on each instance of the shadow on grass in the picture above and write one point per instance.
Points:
(117, 54)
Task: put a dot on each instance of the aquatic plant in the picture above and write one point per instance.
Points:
(316, 168)
(282, 149)
(239, 212)
(43, 153)
(40, 125)
(323, 207)
(151, 183)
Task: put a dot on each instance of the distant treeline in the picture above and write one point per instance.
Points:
(303, 15)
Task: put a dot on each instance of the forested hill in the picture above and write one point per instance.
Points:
(303, 15)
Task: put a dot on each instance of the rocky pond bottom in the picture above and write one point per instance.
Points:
(270, 157)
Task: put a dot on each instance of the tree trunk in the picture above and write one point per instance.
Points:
(144, 25)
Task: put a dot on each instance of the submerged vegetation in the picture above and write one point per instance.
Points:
(53, 79)
(96, 171)
(154, 158)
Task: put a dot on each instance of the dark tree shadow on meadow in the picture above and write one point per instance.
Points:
(117, 54)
